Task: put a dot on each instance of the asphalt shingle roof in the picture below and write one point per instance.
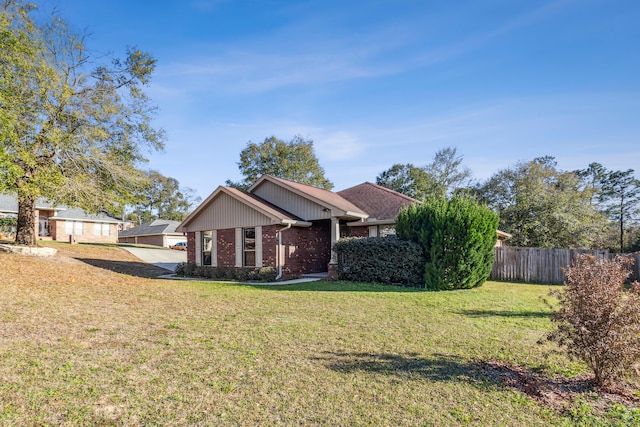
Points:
(78, 214)
(156, 227)
(379, 202)
(9, 204)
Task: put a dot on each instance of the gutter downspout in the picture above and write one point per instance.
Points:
(280, 260)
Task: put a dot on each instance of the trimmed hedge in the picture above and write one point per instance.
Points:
(381, 260)
(253, 274)
(457, 237)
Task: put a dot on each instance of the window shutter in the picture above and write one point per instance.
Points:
(214, 248)
(239, 247)
(258, 246)
(198, 247)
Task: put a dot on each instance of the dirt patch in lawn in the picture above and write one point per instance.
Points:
(559, 393)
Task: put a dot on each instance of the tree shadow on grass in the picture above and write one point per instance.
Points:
(138, 269)
(556, 392)
(443, 368)
(505, 313)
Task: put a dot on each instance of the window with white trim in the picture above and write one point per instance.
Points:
(249, 247)
(100, 229)
(73, 227)
(206, 247)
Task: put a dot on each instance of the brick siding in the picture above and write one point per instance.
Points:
(307, 250)
(359, 231)
(226, 247)
(191, 247)
(57, 232)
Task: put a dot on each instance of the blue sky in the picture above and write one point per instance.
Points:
(379, 82)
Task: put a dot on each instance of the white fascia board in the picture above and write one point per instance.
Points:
(296, 223)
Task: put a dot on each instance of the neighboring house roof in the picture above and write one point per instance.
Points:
(323, 197)
(382, 204)
(276, 214)
(504, 236)
(9, 204)
(153, 228)
(77, 214)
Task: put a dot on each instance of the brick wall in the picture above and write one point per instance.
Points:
(270, 245)
(191, 247)
(57, 232)
(307, 250)
(226, 247)
(359, 231)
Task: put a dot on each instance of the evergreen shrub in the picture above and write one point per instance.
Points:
(253, 274)
(457, 237)
(384, 260)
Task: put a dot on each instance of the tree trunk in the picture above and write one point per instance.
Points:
(26, 230)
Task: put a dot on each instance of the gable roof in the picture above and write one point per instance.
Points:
(156, 227)
(379, 202)
(9, 204)
(277, 216)
(77, 214)
(320, 196)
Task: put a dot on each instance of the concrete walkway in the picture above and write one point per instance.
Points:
(160, 257)
(284, 282)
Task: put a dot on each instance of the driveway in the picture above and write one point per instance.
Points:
(161, 257)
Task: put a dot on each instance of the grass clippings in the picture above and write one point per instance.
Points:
(92, 343)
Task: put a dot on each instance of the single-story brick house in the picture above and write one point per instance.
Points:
(160, 232)
(286, 225)
(62, 222)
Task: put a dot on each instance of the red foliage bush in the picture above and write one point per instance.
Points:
(598, 320)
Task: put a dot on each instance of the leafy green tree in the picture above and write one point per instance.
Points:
(443, 176)
(447, 172)
(617, 195)
(458, 237)
(593, 177)
(293, 160)
(620, 198)
(542, 206)
(408, 180)
(69, 133)
(163, 198)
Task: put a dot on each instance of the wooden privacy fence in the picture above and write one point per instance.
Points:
(534, 265)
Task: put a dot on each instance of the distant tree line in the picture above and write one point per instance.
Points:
(161, 197)
(539, 204)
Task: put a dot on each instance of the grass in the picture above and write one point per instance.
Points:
(81, 344)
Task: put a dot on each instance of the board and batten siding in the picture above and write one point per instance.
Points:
(291, 202)
(226, 212)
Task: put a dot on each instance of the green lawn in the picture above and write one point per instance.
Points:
(83, 345)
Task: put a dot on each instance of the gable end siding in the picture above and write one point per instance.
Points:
(226, 212)
(291, 202)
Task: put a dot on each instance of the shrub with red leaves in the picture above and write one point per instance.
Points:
(598, 320)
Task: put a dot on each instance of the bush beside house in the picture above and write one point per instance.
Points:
(254, 274)
(381, 260)
(457, 237)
